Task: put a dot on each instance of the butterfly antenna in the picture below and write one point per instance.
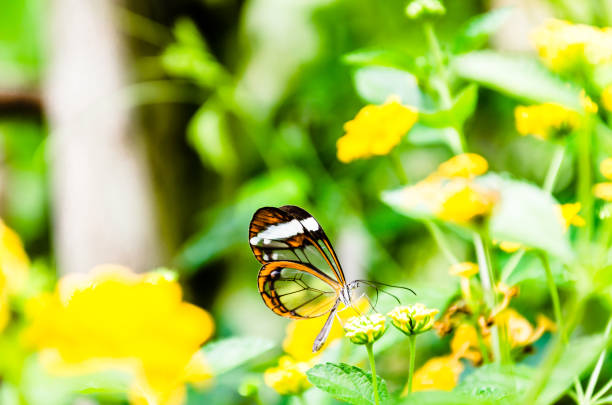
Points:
(374, 286)
(388, 285)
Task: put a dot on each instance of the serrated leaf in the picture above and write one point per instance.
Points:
(526, 214)
(347, 383)
(375, 84)
(228, 354)
(463, 107)
(517, 76)
(476, 31)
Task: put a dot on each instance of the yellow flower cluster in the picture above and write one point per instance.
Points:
(438, 374)
(365, 329)
(450, 192)
(289, 377)
(546, 121)
(413, 319)
(376, 130)
(14, 268)
(519, 331)
(464, 269)
(565, 47)
(114, 318)
(569, 215)
(606, 97)
(604, 190)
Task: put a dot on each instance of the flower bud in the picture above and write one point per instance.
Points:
(413, 319)
(424, 8)
(289, 378)
(365, 329)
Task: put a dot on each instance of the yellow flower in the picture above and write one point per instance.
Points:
(548, 120)
(438, 373)
(603, 191)
(464, 202)
(565, 47)
(465, 343)
(289, 378)
(605, 167)
(413, 319)
(467, 165)
(14, 262)
(569, 215)
(606, 97)
(519, 331)
(114, 318)
(508, 246)
(375, 130)
(4, 304)
(365, 329)
(464, 269)
(301, 333)
(587, 103)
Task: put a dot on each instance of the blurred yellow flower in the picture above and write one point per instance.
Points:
(464, 202)
(116, 318)
(465, 343)
(4, 303)
(289, 377)
(14, 262)
(564, 46)
(569, 215)
(545, 121)
(508, 246)
(413, 319)
(606, 97)
(438, 373)
(605, 167)
(301, 333)
(587, 103)
(519, 331)
(467, 165)
(603, 191)
(365, 329)
(375, 130)
(464, 269)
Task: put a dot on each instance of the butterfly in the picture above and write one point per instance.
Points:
(301, 276)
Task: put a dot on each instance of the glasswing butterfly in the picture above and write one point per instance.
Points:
(301, 276)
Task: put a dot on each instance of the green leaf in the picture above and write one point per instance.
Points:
(346, 383)
(443, 398)
(517, 76)
(209, 135)
(228, 354)
(476, 31)
(463, 107)
(424, 135)
(381, 57)
(375, 84)
(526, 214)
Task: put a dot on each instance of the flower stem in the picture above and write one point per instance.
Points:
(398, 168)
(584, 186)
(456, 138)
(373, 368)
(553, 169)
(441, 241)
(487, 280)
(412, 346)
(554, 294)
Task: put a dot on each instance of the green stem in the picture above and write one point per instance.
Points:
(553, 169)
(511, 265)
(398, 168)
(456, 138)
(554, 294)
(597, 369)
(441, 241)
(584, 186)
(487, 281)
(412, 346)
(373, 368)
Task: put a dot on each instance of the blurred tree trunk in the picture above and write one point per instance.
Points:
(103, 202)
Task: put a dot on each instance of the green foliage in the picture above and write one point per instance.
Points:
(462, 108)
(227, 354)
(347, 383)
(375, 84)
(477, 30)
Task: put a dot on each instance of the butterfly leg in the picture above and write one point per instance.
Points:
(322, 336)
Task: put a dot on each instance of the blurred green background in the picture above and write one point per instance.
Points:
(232, 105)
